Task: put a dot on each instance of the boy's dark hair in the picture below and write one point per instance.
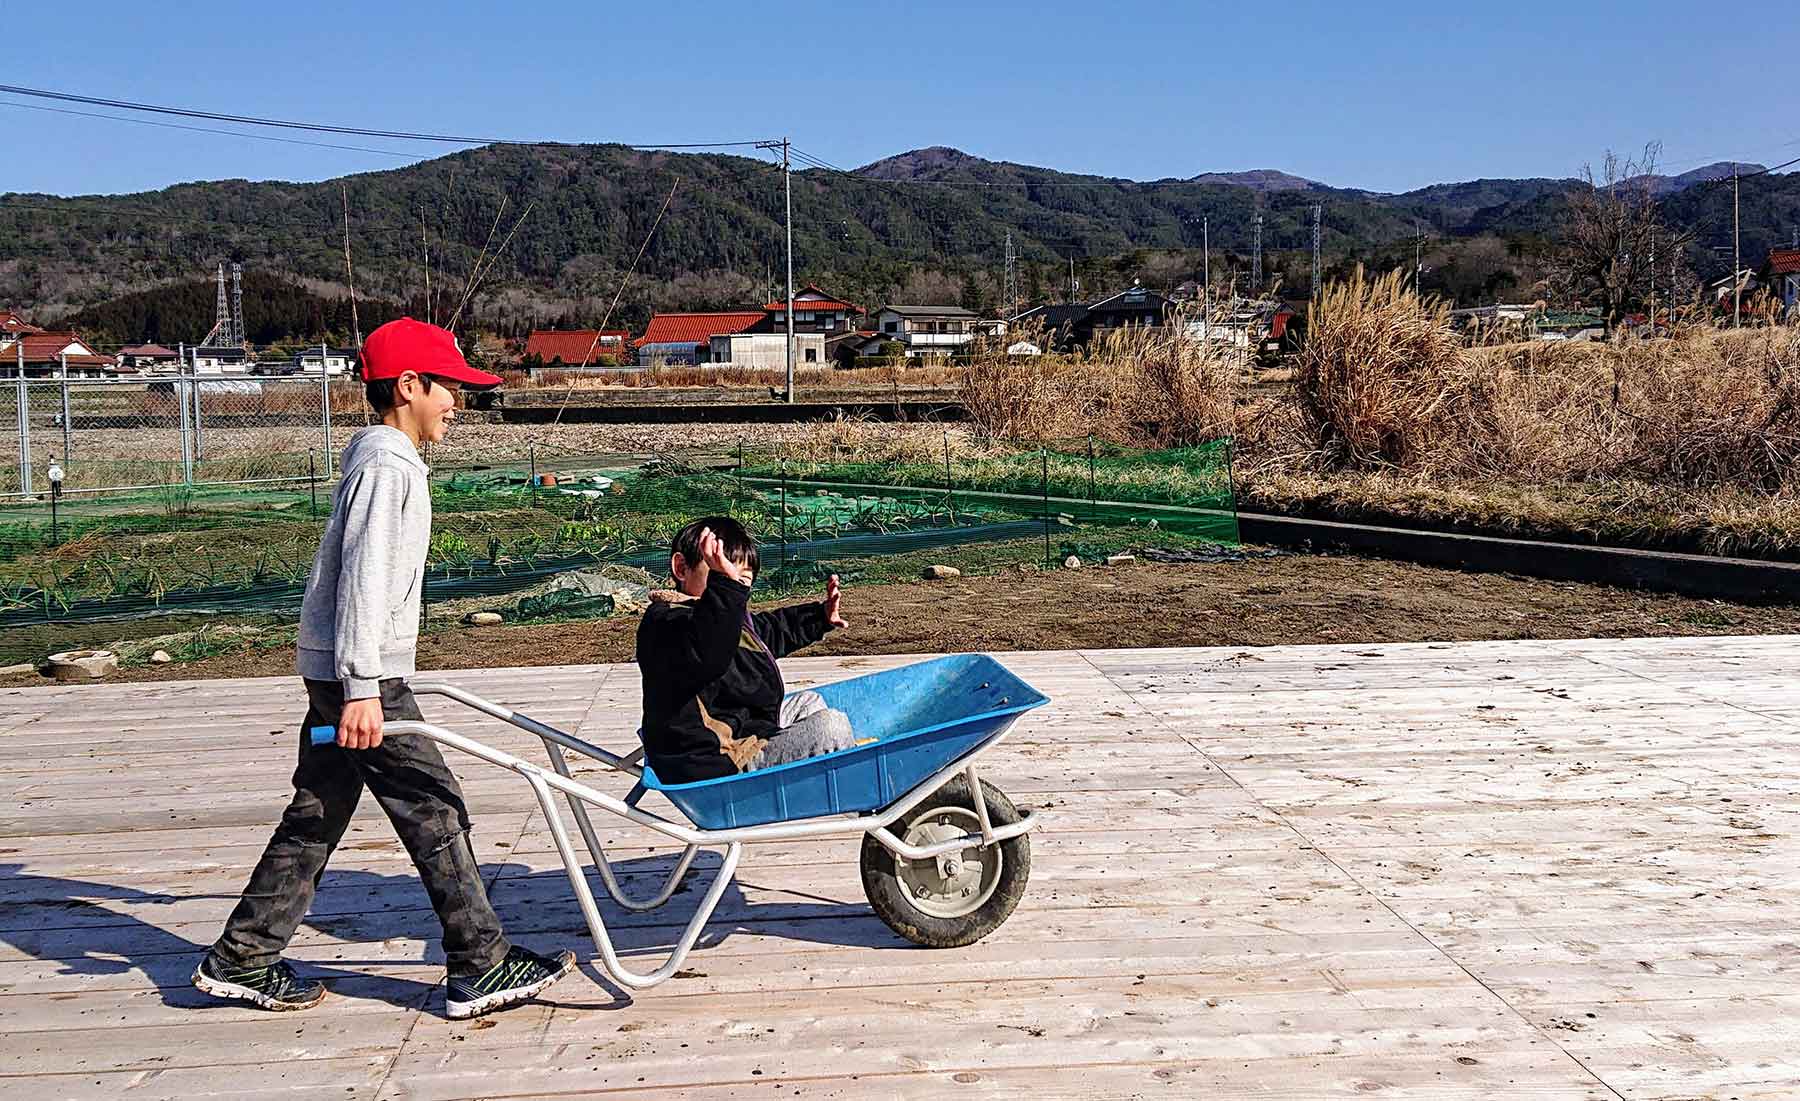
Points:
(739, 546)
(380, 392)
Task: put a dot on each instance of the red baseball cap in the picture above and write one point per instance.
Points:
(409, 345)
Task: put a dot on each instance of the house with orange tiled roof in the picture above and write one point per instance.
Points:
(577, 348)
(685, 339)
(815, 311)
(11, 324)
(1781, 274)
(64, 354)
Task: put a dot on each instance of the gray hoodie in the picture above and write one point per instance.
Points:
(359, 622)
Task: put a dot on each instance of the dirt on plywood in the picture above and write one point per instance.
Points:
(1256, 601)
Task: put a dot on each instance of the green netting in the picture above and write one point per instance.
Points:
(245, 550)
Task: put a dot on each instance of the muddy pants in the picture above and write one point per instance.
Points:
(422, 799)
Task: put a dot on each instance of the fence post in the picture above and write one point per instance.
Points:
(531, 454)
(187, 444)
(312, 476)
(325, 413)
(737, 495)
(1091, 499)
(949, 480)
(199, 418)
(65, 407)
(1044, 450)
(784, 550)
(1232, 474)
(24, 424)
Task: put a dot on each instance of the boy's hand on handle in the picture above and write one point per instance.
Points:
(834, 594)
(360, 726)
(712, 552)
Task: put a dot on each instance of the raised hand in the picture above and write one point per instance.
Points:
(834, 595)
(712, 552)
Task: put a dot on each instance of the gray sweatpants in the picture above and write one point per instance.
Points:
(808, 729)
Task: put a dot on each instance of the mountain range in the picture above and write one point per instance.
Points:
(562, 227)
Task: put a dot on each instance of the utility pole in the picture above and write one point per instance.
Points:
(1011, 289)
(1318, 211)
(349, 272)
(424, 262)
(787, 190)
(1737, 257)
(1206, 263)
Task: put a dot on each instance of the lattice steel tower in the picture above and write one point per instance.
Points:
(1256, 252)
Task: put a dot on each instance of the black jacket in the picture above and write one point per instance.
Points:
(712, 690)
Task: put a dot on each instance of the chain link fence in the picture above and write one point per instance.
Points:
(166, 432)
(162, 549)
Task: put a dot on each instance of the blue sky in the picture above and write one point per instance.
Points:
(1381, 96)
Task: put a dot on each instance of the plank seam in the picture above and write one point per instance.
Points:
(1359, 884)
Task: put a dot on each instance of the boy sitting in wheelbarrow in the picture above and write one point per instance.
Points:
(713, 694)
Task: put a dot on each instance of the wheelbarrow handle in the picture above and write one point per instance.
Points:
(323, 735)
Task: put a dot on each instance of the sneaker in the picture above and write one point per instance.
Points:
(521, 975)
(272, 987)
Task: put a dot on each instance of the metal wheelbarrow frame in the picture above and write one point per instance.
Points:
(873, 823)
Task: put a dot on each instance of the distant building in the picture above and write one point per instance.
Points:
(219, 360)
(842, 348)
(766, 350)
(11, 324)
(44, 354)
(1568, 325)
(1781, 274)
(148, 358)
(1068, 325)
(815, 311)
(1063, 325)
(334, 361)
(926, 330)
(685, 339)
(1137, 307)
(576, 347)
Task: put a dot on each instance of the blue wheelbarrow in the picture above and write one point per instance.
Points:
(945, 856)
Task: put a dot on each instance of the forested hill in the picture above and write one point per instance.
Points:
(928, 222)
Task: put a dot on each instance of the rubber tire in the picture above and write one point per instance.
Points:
(881, 881)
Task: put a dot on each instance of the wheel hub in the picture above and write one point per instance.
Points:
(950, 884)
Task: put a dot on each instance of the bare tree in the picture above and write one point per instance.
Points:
(1614, 250)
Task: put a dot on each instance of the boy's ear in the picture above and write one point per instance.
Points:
(677, 565)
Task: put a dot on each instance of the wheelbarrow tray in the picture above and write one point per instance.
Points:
(923, 717)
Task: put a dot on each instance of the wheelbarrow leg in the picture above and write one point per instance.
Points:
(598, 851)
(591, 911)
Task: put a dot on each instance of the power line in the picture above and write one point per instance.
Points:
(209, 130)
(329, 128)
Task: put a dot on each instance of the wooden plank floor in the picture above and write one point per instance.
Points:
(1524, 869)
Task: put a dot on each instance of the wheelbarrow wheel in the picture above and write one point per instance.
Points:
(955, 900)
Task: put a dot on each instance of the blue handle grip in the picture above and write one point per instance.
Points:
(323, 735)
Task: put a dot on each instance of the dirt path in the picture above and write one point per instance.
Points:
(1256, 602)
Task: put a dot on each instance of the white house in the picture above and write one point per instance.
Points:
(335, 361)
(926, 330)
